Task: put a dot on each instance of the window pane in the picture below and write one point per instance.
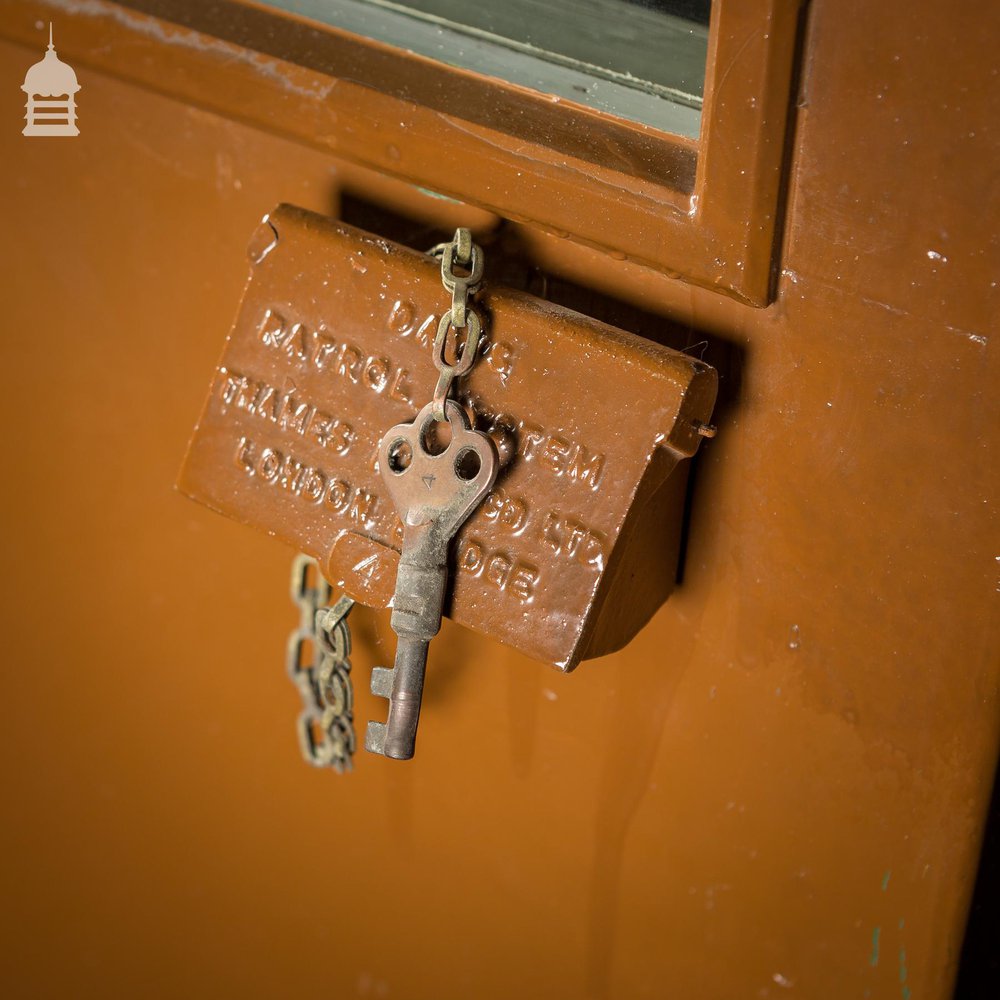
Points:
(638, 59)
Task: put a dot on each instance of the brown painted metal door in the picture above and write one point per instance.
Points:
(778, 788)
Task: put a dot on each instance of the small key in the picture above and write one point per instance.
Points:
(435, 489)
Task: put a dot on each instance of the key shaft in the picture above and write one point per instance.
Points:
(434, 494)
(418, 606)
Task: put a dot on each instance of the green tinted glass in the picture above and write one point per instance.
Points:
(638, 59)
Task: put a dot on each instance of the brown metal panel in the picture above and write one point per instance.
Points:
(777, 789)
(329, 350)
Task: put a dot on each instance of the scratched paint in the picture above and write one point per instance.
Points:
(873, 961)
(263, 65)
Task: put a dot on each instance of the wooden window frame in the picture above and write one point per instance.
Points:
(703, 210)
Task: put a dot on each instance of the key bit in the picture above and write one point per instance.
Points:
(434, 488)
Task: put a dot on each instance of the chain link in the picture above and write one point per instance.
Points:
(326, 723)
(462, 285)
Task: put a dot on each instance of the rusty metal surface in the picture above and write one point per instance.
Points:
(332, 346)
(777, 790)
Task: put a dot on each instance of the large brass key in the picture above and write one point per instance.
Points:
(434, 485)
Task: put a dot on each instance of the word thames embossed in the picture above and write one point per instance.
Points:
(333, 333)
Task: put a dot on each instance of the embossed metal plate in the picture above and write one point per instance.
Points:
(332, 346)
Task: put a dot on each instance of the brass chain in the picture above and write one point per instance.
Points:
(462, 285)
(326, 723)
